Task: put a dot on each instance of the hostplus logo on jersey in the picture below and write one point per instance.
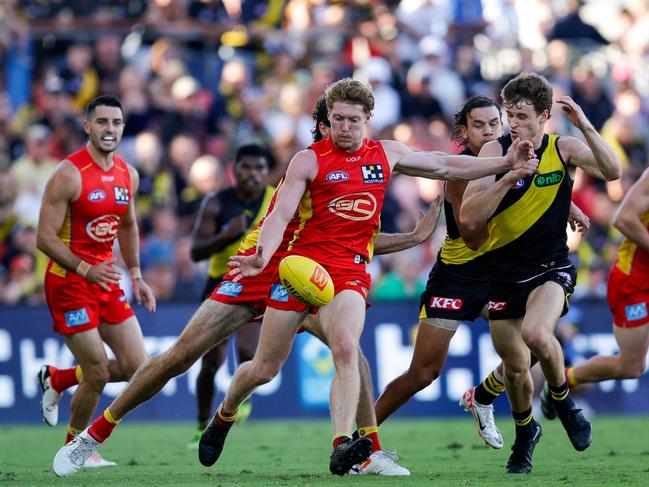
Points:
(636, 312)
(228, 288)
(77, 317)
(279, 293)
(121, 195)
(372, 174)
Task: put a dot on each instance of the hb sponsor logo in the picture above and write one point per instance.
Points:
(96, 195)
(336, 176)
(103, 228)
(356, 206)
(278, 293)
(372, 174)
(445, 303)
(319, 278)
(77, 317)
(228, 288)
(121, 195)
(496, 305)
(636, 312)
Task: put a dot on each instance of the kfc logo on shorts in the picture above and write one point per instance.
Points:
(356, 206)
(103, 228)
(278, 293)
(445, 303)
(336, 176)
(636, 311)
(228, 288)
(96, 195)
(496, 305)
(77, 317)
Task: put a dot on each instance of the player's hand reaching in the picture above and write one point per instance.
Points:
(574, 112)
(246, 265)
(578, 220)
(519, 153)
(104, 274)
(142, 293)
(426, 222)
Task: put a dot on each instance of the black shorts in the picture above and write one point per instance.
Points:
(508, 301)
(450, 295)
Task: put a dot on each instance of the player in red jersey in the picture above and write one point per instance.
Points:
(628, 298)
(230, 307)
(338, 185)
(88, 203)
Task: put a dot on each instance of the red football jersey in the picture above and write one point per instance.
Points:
(92, 221)
(340, 212)
(631, 259)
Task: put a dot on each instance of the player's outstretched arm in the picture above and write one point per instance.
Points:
(128, 237)
(387, 243)
(597, 158)
(461, 167)
(302, 169)
(628, 218)
(578, 220)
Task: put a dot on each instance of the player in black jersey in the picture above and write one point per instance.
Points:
(222, 222)
(517, 226)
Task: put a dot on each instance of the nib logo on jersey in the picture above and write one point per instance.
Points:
(373, 174)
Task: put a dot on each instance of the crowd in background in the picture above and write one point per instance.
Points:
(199, 77)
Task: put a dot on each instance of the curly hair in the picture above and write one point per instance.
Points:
(529, 87)
(460, 119)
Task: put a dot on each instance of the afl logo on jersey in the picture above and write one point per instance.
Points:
(103, 228)
(355, 206)
(518, 184)
(335, 176)
(96, 195)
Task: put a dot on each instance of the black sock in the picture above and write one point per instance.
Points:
(561, 398)
(524, 422)
(488, 390)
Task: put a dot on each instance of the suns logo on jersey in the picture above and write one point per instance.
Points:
(103, 228)
(355, 206)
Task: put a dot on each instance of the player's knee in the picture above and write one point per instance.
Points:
(264, 372)
(632, 370)
(344, 353)
(97, 376)
(514, 372)
(538, 342)
(176, 361)
(422, 377)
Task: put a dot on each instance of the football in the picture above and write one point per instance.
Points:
(306, 280)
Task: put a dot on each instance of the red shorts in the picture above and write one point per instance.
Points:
(78, 305)
(251, 292)
(628, 298)
(357, 279)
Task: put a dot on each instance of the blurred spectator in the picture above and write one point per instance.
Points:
(158, 247)
(573, 29)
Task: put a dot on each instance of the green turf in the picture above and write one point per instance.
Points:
(439, 452)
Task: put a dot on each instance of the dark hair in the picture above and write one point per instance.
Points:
(460, 119)
(101, 101)
(529, 87)
(320, 116)
(254, 150)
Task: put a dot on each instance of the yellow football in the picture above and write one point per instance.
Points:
(306, 280)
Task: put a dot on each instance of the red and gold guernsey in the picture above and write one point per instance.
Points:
(631, 259)
(92, 221)
(339, 214)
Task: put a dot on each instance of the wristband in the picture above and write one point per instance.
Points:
(83, 268)
(135, 273)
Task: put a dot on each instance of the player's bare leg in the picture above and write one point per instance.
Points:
(429, 357)
(277, 334)
(629, 364)
(544, 307)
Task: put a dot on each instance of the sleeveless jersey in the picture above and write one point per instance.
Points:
(631, 259)
(92, 221)
(527, 232)
(341, 207)
(232, 206)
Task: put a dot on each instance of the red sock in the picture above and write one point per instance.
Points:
(68, 437)
(71, 433)
(62, 379)
(339, 439)
(225, 419)
(371, 432)
(102, 427)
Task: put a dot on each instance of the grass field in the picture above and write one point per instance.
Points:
(438, 452)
